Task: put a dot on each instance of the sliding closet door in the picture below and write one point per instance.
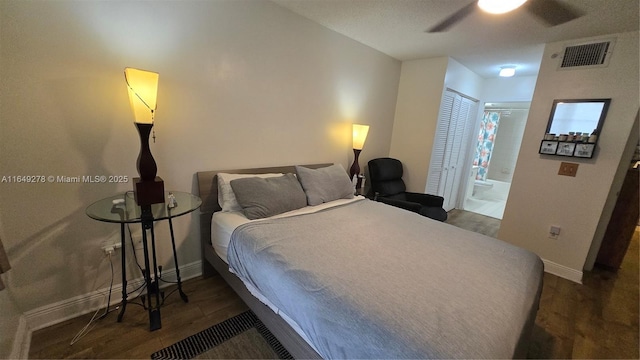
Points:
(455, 122)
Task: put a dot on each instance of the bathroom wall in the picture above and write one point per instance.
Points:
(507, 142)
(505, 91)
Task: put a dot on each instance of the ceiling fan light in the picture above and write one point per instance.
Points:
(499, 6)
(507, 71)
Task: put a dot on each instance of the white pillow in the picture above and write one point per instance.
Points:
(226, 197)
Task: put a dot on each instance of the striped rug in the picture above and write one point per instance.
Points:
(242, 336)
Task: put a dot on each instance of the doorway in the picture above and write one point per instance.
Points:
(496, 153)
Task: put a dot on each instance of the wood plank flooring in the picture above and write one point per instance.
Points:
(598, 319)
(211, 301)
(595, 320)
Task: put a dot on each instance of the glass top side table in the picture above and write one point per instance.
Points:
(123, 209)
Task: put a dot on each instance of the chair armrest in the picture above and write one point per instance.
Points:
(411, 206)
(425, 199)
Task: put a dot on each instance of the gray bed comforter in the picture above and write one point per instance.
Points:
(367, 280)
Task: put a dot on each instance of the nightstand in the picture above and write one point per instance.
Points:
(122, 209)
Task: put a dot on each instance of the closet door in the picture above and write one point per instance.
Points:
(451, 156)
(459, 161)
(446, 167)
(437, 168)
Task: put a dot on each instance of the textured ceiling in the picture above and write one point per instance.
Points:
(482, 42)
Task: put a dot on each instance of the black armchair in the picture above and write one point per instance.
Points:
(387, 186)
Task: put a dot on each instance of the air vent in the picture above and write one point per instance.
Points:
(593, 54)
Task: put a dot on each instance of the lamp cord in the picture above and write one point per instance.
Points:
(85, 330)
(139, 97)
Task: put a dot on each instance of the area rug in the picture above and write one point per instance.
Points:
(242, 337)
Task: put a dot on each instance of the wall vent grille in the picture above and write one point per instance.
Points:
(586, 55)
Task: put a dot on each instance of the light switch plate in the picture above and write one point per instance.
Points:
(568, 169)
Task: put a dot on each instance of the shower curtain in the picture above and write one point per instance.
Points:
(486, 138)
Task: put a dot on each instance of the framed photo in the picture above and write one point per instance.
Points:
(584, 150)
(566, 148)
(548, 147)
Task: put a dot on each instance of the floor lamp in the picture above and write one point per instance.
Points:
(359, 136)
(143, 90)
(148, 188)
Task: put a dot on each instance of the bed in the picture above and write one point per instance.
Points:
(354, 278)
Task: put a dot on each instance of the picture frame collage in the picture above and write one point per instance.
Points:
(564, 148)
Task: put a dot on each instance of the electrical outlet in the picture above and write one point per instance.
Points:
(568, 169)
(554, 232)
(109, 249)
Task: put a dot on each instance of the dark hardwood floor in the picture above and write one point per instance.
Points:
(596, 320)
(211, 301)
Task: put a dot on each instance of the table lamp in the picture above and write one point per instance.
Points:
(359, 136)
(143, 91)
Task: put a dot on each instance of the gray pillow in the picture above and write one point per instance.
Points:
(325, 184)
(264, 197)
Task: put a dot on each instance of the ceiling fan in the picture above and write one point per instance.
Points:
(551, 12)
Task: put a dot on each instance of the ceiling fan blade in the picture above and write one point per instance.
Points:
(552, 12)
(453, 19)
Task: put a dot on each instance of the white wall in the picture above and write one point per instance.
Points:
(508, 141)
(459, 78)
(513, 89)
(422, 84)
(242, 84)
(506, 147)
(539, 197)
(416, 117)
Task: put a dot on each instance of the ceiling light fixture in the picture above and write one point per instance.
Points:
(507, 71)
(499, 6)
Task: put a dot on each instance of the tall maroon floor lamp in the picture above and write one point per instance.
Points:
(359, 136)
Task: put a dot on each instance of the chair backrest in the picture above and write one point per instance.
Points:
(385, 175)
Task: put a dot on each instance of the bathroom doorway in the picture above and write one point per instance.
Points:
(497, 147)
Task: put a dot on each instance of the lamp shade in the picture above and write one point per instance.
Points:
(143, 92)
(359, 135)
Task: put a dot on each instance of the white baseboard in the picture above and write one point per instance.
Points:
(58, 312)
(21, 341)
(562, 271)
